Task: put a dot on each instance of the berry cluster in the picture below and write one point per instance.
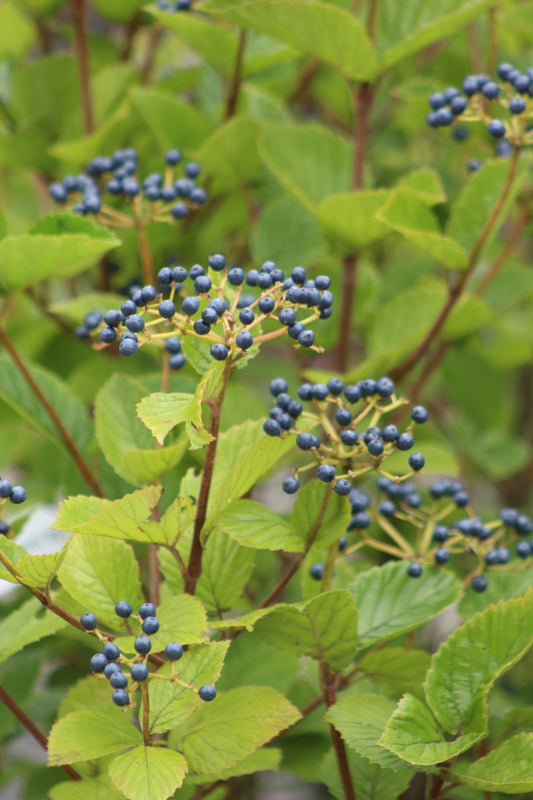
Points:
(172, 8)
(160, 196)
(475, 103)
(343, 453)
(213, 307)
(110, 661)
(16, 494)
(441, 529)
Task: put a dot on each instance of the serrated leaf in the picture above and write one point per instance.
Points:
(252, 524)
(16, 392)
(244, 622)
(413, 734)
(76, 510)
(287, 234)
(39, 570)
(360, 719)
(308, 508)
(467, 664)
(170, 703)
(350, 219)
(161, 412)
(372, 781)
(309, 161)
(234, 725)
(84, 735)
(409, 216)
(99, 788)
(396, 669)
(328, 33)
(268, 758)
(86, 695)
(226, 569)
(507, 769)
(26, 625)
(325, 628)
(12, 551)
(148, 773)
(390, 603)
(98, 573)
(426, 184)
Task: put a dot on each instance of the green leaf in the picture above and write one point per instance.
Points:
(244, 622)
(413, 734)
(268, 758)
(148, 773)
(84, 735)
(252, 524)
(406, 28)
(98, 573)
(350, 219)
(117, 10)
(507, 769)
(14, 553)
(477, 200)
(75, 308)
(409, 215)
(396, 669)
(287, 234)
(469, 661)
(500, 587)
(227, 567)
(230, 154)
(170, 119)
(15, 391)
(99, 788)
(182, 618)
(86, 695)
(426, 184)
(161, 412)
(309, 161)
(31, 258)
(39, 570)
(308, 507)
(360, 719)
(469, 315)
(170, 703)
(390, 603)
(372, 781)
(16, 31)
(238, 722)
(125, 441)
(327, 33)
(325, 628)
(75, 511)
(26, 625)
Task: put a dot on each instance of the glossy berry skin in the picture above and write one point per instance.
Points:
(207, 692)
(4, 528)
(236, 276)
(442, 555)
(349, 437)
(390, 433)
(201, 328)
(209, 316)
(404, 441)
(148, 294)
(419, 414)
(108, 335)
(290, 485)
(287, 316)
(295, 330)
(142, 645)
(173, 157)
(179, 274)
(202, 284)
(294, 409)
(440, 534)
(343, 487)
(18, 494)
(219, 351)
(319, 392)
(316, 571)
(128, 347)
(375, 447)
(120, 697)
(385, 387)
(244, 340)
(416, 461)
(360, 521)
(264, 280)
(123, 609)
(217, 262)
(111, 668)
(352, 393)
(490, 90)
(167, 309)
(414, 570)
(219, 305)
(271, 427)
(325, 472)
(461, 499)
(135, 323)
(306, 338)
(118, 680)
(496, 128)
(517, 105)
(278, 386)
(458, 105)
(89, 621)
(479, 583)
(150, 625)
(176, 361)
(304, 441)
(147, 610)
(190, 306)
(246, 316)
(139, 672)
(266, 305)
(173, 651)
(128, 308)
(93, 319)
(99, 661)
(111, 651)
(343, 417)
(113, 318)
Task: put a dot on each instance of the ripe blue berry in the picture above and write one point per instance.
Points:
(128, 346)
(111, 668)
(278, 386)
(349, 437)
(179, 274)
(88, 621)
(352, 393)
(272, 427)
(236, 276)
(173, 157)
(111, 651)
(343, 487)
(143, 645)
(319, 391)
(139, 672)
(325, 472)
(148, 294)
(306, 338)
(266, 305)
(219, 304)
(479, 583)
(123, 609)
(523, 549)
(202, 284)
(4, 528)
(404, 441)
(150, 625)
(207, 692)
(217, 262)
(93, 319)
(219, 351)
(440, 534)
(173, 651)
(244, 340)
(442, 555)
(389, 433)
(190, 306)
(287, 316)
(201, 328)
(298, 275)
(304, 441)
(118, 680)
(359, 521)
(176, 361)
(147, 610)
(416, 461)
(99, 661)
(113, 318)
(81, 332)
(198, 195)
(18, 494)
(387, 508)
(246, 316)
(128, 308)
(135, 323)
(316, 571)
(167, 309)
(458, 105)
(496, 128)
(375, 447)
(120, 697)
(294, 409)
(414, 570)
(385, 387)
(367, 387)
(108, 335)
(419, 414)
(290, 485)
(517, 105)
(491, 90)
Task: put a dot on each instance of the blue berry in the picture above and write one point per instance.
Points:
(111, 668)
(217, 262)
(113, 318)
(349, 437)
(236, 276)
(509, 516)
(319, 391)
(298, 275)
(93, 319)
(266, 305)
(496, 128)
(523, 525)
(120, 697)
(167, 309)
(278, 386)
(123, 609)
(458, 105)
(414, 570)
(118, 680)
(246, 316)
(139, 672)
(219, 351)
(294, 409)
(440, 534)
(272, 427)
(491, 90)
(504, 69)
(419, 414)
(111, 651)
(190, 306)
(470, 85)
(335, 386)
(343, 487)
(264, 280)
(179, 210)
(416, 461)
(150, 625)
(474, 164)
(207, 692)
(135, 323)
(306, 338)
(375, 447)
(295, 330)
(148, 294)
(517, 105)
(200, 327)
(385, 387)
(143, 645)
(304, 441)
(523, 549)
(209, 316)
(316, 571)
(173, 157)
(198, 195)
(99, 661)
(368, 387)
(461, 499)
(343, 417)
(89, 621)
(479, 583)
(252, 276)
(128, 308)
(325, 472)
(192, 170)
(128, 347)
(436, 100)
(57, 192)
(442, 555)
(290, 485)
(460, 133)
(352, 393)
(202, 284)
(81, 332)
(404, 441)
(244, 340)
(108, 335)
(287, 316)
(387, 508)
(147, 610)
(522, 83)
(390, 433)
(176, 361)
(219, 304)
(360, 521)
(343, 544)
(4, 528)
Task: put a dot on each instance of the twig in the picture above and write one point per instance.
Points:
(33, 730)
(304, 81)
(146, 714)
(505, 252)
(78, 11)
(236, 78)
(330, 696)
(77, 457)
(144, 251)
(131, 29)
(149, 60)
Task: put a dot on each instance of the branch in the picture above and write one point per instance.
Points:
(30, 726)
(330, 696)
(236, 78)
(78, 12)
(81, 464)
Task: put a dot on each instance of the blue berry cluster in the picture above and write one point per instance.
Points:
(110, 661)
(476, 100)
(160, 196)
(346, 450)
(212, 305)
(16, 494)
(172, 8)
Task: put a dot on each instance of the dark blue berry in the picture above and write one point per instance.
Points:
(217, 262)
(304, 441)
(414, 570)
(266, 305)
(113, 318)
(219, 351)
(128, 308)
(135, 323)
(173, 157)
(349, 437)
(523, 549)
(496, 128)
(123, 609)
(111, 651)
(521, 84)
(368, 387)
(99, 661)
(442, 555)
(246, 316)
(306, 338)
(458, 105)
(120, 697)
(343, 417)
(470, 85)
(387, 508)
(18, 494)
(325, 472)
(298, 275)
(440, 534)
(190, 306)
(316, 571)
(207, 692)
(201, 328)
(343, 487)
(128, 347)
(179, 210)
(419, 414)
(142, 645)
(290, 485)
(150, 625)
(389, 433)
(93, 319)
(474, 164)
(523, 525)
(111, 668)
(251, 277)
(305, 391)
(236, 276)
(108, 335)
(81, 332)
(504, 69)
(375, 447)
(147, 610)
(352, 393)
(202, 284)
(416, 461)
(118, 680)
(360, 521)
(219, 304)
(176, 361)
(461, 499)
(509, 516)
(335, 386)
(404, 441)
(148, 294)
(278, 386)
(479, 583)
(491, 90)
(385, 387)
(287, 316)
(264, 280)
(192, 170)
(88, 621)
(173, 651)
(319, 392)
(4, 528)
(244, 340)
(139, 672)
(343, 544)
(295, 330)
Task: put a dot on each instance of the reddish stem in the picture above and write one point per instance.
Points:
(78, 10)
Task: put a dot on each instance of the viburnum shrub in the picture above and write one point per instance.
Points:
(266, 378)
